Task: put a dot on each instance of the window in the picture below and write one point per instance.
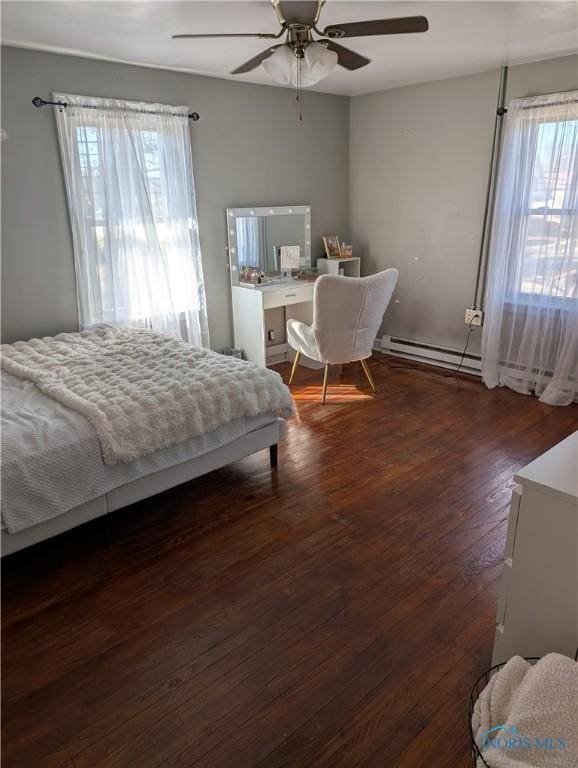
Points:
(91, 160)
(129, 180)
(530, 335)
(551, 214)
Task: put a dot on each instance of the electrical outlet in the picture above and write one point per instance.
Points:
(474, 317)
(271, 335)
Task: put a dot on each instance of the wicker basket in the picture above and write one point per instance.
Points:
(479, 686)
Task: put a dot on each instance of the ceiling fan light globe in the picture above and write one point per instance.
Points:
(305, 81)
(281, 66)
(318, 63)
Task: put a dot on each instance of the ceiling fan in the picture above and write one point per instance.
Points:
(301, 60)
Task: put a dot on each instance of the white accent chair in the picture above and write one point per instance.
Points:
(347, 313)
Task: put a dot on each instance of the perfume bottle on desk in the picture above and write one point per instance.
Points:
(252, 276)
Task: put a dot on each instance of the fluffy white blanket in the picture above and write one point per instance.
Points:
(527, 715)
(143, 391)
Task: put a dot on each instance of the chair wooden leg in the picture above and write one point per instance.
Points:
(325, 383)
(294, 367)
(368, 374)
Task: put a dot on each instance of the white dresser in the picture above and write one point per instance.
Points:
(538, 602)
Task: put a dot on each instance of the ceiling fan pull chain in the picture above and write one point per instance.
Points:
(299, 90)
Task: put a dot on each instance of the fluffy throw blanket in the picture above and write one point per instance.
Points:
(527, 715)
(143, 391)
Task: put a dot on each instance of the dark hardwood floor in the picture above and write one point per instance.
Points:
(332, 613)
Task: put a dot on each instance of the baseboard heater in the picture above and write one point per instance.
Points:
(443, 357)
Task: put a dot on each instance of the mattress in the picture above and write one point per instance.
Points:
(52, 461)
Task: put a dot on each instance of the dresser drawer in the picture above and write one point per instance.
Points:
(286, 296)
(504, 591)
(513, 520)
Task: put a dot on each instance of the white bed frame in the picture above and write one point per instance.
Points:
(149, 485)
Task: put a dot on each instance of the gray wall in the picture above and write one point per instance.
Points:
(415, 164)
(419, 159)
(248, 149)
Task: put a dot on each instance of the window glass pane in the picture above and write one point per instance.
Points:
(546, 237)
(553, 165)
(549, 258)
(90, 145)
(152, 163)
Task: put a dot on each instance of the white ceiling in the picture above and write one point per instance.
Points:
(464, 37)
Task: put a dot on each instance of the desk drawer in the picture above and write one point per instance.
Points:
(286, 296)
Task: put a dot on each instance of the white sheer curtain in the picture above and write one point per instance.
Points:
(530, 337)
(129, 180)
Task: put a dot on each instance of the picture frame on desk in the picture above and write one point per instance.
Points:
(332, 247)
(346, 251)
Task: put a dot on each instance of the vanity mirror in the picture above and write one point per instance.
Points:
(274, 240)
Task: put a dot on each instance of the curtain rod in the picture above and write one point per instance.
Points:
(502, 111)
(38, 102)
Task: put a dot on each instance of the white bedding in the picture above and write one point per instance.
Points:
(143, 391)
(52, 461)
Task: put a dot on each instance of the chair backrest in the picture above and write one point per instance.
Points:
(347, 313)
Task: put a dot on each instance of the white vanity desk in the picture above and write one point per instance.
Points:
(250, 306)
(276, 241)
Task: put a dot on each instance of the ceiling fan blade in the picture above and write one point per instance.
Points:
(345, 56)
(256, 60)
(398, 26)
(262, 35)
(298, 11)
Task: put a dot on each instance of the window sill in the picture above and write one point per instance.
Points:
(535, 303)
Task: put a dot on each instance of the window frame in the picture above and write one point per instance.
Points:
(514, 294)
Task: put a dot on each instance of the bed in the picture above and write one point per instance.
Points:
(69, 455)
